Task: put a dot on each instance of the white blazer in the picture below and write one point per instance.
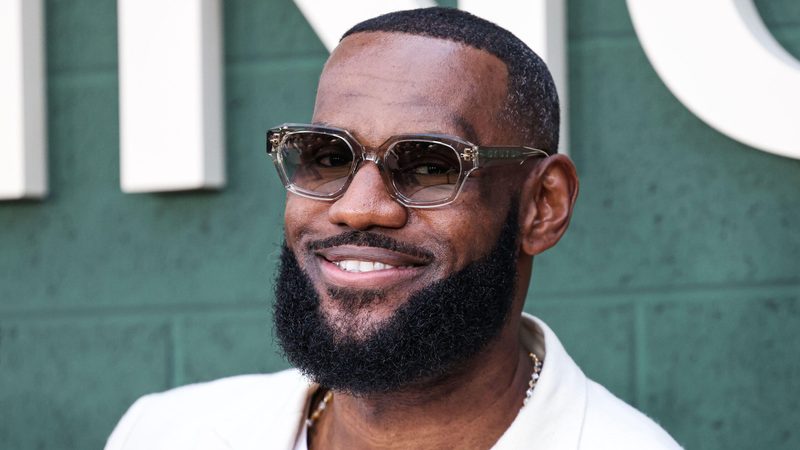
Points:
(258, 412)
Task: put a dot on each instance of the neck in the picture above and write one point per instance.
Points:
(470, 408)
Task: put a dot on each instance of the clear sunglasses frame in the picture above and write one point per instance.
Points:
(470, 156)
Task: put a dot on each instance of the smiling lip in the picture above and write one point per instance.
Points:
(367, 267)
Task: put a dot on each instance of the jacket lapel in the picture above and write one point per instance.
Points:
(553, 418)
(272, 423)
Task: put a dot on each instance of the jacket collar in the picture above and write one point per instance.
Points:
(275, 421)
(553, 418)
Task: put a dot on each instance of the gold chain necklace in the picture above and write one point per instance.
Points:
(537, 369)
(320, 409)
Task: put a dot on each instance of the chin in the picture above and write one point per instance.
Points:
(372, 340)
(359, 315)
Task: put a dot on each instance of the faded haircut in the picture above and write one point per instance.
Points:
(532, 101)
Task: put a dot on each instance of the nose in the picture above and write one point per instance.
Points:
(366, 203)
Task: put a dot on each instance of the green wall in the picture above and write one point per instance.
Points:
(677, 286)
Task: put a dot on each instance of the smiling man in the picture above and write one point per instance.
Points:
(417, 201)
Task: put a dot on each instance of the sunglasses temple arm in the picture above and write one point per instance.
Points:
(495, 156)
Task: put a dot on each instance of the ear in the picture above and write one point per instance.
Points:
(546, 201)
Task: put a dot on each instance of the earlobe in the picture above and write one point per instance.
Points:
(547, 198)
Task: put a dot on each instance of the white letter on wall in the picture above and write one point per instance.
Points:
(542, 25)
(170, 78)
(718, 58)
(330, 20)
(23, 155)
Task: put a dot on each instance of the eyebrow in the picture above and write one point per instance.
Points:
(465, 127)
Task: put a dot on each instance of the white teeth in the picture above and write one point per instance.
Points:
(352, 265)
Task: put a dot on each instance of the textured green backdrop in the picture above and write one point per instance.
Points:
(678, 285)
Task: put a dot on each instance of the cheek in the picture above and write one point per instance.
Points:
(300, 214)
(471, 227)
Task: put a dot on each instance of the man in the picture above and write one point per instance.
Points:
(417, 201)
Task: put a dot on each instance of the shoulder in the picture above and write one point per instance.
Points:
(184, 416)
(570, 411)
(219, 397)
(610, 423)
(231, 391)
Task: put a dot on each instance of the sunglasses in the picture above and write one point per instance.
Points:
(419, 170)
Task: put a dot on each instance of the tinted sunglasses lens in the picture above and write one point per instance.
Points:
(317, 163)
(423, 171)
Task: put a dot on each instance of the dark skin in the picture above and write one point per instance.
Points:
(381, 84)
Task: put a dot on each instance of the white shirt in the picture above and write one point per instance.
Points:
(249, 412)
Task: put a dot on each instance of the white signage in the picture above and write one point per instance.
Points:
(23, 157)
(718, 58)
(170, 95)
(331, 19)
(539, 23)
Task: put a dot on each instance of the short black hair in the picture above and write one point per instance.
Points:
(532, 100)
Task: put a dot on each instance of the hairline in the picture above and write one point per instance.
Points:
(531, 101)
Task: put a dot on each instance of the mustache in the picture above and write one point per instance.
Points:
(370, 239)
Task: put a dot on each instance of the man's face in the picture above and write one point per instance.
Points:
(371, 295)
(377, 85)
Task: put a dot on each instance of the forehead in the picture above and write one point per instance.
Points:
(381, 84)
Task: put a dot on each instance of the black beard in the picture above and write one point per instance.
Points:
(437, 329)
